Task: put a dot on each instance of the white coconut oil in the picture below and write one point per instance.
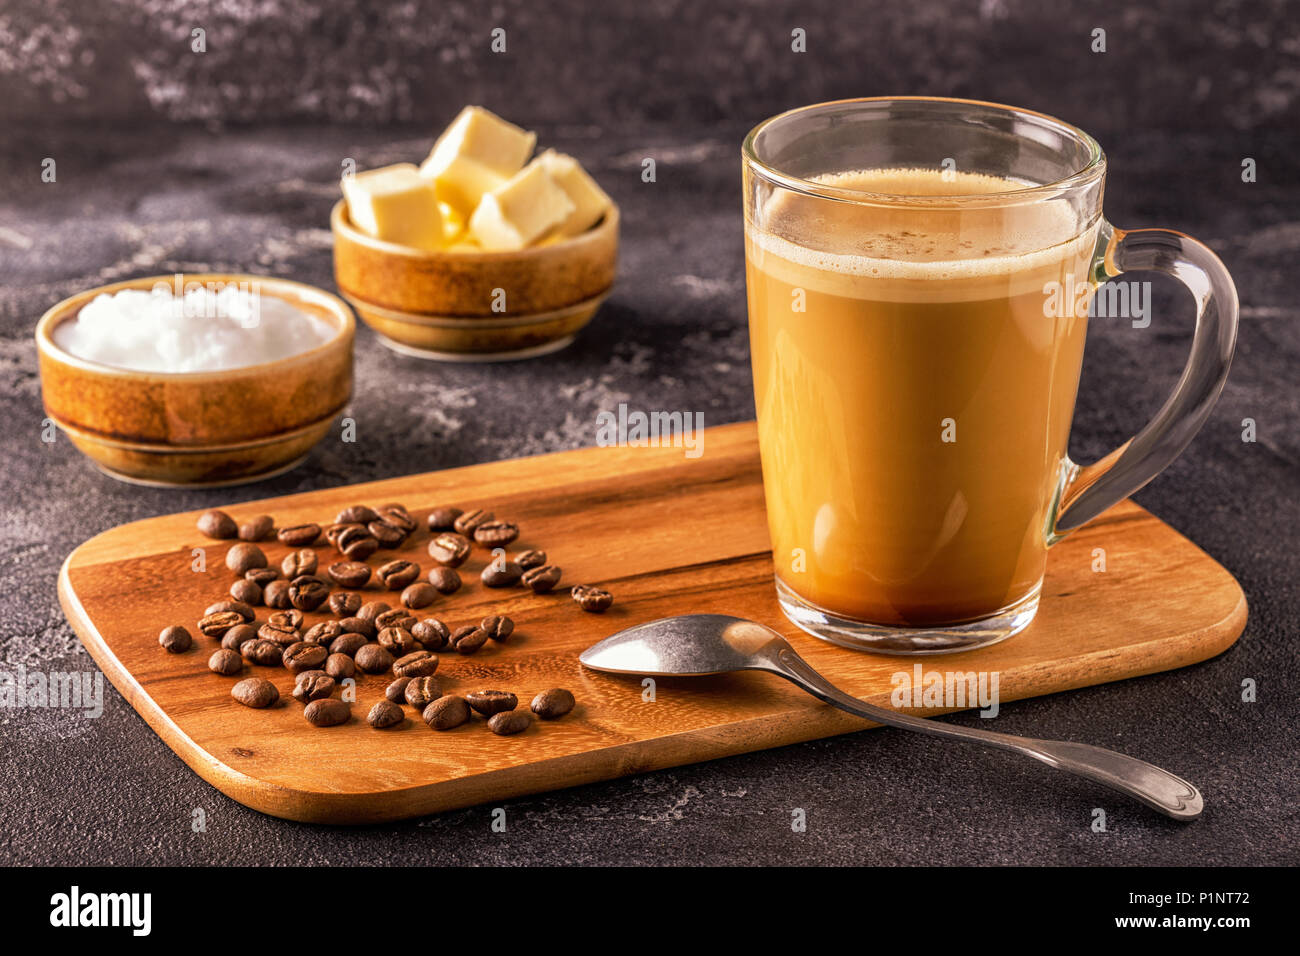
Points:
(205, 328)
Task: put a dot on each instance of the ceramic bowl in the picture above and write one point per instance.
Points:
(199, 428)
(461, 304)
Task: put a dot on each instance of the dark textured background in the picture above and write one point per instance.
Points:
(170, 160)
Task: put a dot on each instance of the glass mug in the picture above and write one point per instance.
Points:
(919, 273)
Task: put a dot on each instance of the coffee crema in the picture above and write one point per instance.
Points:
(914, 399)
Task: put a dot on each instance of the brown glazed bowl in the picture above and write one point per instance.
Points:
(465, 305)
(199, 428)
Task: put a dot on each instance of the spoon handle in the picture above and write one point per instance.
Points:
(1159, 789)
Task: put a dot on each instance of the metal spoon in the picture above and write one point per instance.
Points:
(697, 644)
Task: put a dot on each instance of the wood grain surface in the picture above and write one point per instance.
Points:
(667, 535)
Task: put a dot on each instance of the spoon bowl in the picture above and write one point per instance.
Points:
(672, 647)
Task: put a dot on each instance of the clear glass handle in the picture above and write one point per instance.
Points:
(1094, 488)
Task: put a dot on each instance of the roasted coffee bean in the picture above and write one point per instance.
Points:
(496, 534)
(470, 520)
(345, 603)
(373, 659)
(385, 714)
(255, 692)
(372, 609)
(289, 617)
(300, 562)
(388, 536)
(216, 625)
(357, 514)
(237, 635)
(323, 633)
(396, 691)
(340, 534)
(530, 559)
(327, 712)
(333, 532)
(348, 643)
(308, 592)
(542, 578)
(420, 594)
(449, 549)
(299, 535)
(349, 574)
(397, 641)
(244, 610)
(302, 656)
(432, 633)
(359, 625)
(395, 617)
(591, 598)
(443, 519)
(422, 691)
(246, 591)
(357, 544)
(340, 666)
(217, 524)
(489, 702)
(276, 594)
(313, 685)
(256, 529)
(281, 634)
(177, 639)
(261, 651)
(390, 523)
(398, 517)
(444, 580)
(416, 664)
(468, 639)
(225, 662)
(261, 576)
(501, 574)
(446, 713)
(498, 627)
(243, 557)
(552, 703)
(361, 549)
(396, 575)
(509, 722)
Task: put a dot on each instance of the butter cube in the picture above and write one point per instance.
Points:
(520, 211)
(462, 183)
(395, 204)
(477, 153)
(486, 138)
(453, 223)
(589, 200)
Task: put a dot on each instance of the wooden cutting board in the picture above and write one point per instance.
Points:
(667, 535)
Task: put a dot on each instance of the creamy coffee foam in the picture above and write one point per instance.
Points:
(911, 252)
